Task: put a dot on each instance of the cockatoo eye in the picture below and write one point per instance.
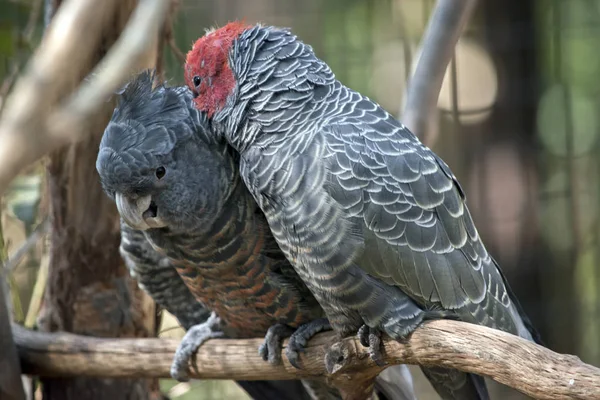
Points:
(160, 172)
(197, 80)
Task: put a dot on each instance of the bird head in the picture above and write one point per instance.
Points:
(208, 73)
(255, 80)
(156, 160)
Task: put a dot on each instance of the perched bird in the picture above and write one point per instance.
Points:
(372, 220)
(196, 239)
(158, 277)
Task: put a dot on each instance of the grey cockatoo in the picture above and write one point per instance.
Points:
(159, 278)
(372, 220)
(196, 239)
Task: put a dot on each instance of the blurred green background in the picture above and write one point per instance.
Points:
(518, 122)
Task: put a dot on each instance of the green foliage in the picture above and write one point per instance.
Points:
(7, 40)
(13, 18)
(569, 36)
(568, 114)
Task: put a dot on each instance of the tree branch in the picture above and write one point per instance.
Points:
(525, 366)
(437, 49)
(112, 72)
(48, 76)
(11, 386)
(31, 123)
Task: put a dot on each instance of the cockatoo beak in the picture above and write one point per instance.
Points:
(139, 213)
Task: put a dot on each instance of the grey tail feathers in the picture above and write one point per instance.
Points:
(526, 321)
(451, 384)
(395, 383)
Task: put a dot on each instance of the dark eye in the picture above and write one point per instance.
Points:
(160, 172)
(197, 81)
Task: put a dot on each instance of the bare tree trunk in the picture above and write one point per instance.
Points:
(89, 291)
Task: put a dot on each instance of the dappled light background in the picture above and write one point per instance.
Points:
(517, 121)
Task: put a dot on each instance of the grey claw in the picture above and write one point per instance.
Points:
(371, 338)
(300, 338)
(270, 350)
(263, 351)
(363, 335)
(293, 358)
(193, 339)
(375, 349)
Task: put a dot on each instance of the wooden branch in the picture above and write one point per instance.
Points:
(32, 122)
(11, 386)
(47, 78)
(139, 35)
(525, 366)
(437, 49)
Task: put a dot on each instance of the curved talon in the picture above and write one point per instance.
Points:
(291, 352)
(193, 339)
(270, 350)
(263, 351)
(300, 338)
(363, 335)
(297, 339)
(371, 338)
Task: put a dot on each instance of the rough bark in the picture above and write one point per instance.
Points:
(89, 291)
(508, 359)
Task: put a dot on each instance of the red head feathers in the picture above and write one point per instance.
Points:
(207, 71)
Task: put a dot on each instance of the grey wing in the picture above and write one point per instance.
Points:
(157, 276)
(396, 383)
(418, 232)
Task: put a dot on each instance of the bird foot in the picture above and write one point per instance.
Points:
(193, 339)
(371, 338)
(270, 350)
(301, 336)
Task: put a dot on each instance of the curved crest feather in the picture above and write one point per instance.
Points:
(139, 85)
(138, 96)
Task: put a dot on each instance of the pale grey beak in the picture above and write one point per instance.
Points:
(135, 212)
